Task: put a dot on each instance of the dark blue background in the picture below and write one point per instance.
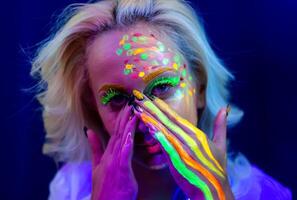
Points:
(257, 39)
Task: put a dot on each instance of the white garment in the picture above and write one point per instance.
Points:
(73, 182)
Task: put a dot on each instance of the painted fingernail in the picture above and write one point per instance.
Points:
(85, 131)
(138, 95)
(128, 139)
(228, 109)
(137, 108)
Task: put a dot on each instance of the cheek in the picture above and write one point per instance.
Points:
(108, 119)
(185, 107)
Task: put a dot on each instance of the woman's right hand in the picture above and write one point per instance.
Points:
(112, 174)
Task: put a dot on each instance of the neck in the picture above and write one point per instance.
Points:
(154, 184)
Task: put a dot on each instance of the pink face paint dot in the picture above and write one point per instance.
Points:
(137, 34)
(146, 67)
(134, 76)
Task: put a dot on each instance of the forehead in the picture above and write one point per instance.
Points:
(132, 55)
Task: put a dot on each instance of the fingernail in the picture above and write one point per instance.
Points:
(85, 131)
(228, 109)
(137, 108)
(128, 139)
(138, 95)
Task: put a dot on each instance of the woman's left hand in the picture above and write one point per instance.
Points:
(197, 164)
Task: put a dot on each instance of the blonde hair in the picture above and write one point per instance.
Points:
(60, 65)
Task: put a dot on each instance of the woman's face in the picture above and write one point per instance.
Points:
(121, 61)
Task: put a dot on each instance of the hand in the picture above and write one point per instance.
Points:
(197, 164)
(112, 174)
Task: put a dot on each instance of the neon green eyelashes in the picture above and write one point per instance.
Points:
(172, 81)
(109, 95)
(112, 93)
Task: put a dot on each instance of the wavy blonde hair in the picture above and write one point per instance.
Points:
(60, 65)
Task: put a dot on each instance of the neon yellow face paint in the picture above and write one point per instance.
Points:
(182, 168)
(190, 141)
(144, 54)
(201, 137)
(184, 155)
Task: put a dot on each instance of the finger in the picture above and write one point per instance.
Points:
(124, 115)
(156, 128)
(188, 127)
(220, 130)
(149, 106)
(122, 118)
(96, 147)
(127, 144)
(177, 165)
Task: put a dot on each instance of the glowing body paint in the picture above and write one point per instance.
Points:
(185, 156)
(181, 167)
(138, 94)
(155, 53)
(192, 144)
(198, 133)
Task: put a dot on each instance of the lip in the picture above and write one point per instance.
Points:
(150, 149)
(153, 149)
(148, 140)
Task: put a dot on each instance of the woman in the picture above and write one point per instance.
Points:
(137, 77)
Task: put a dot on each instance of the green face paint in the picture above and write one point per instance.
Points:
(189, 140)
(109, 95)
(182, 168)
(201, 137)
(127, 46)
(146, 54)
(172, 81)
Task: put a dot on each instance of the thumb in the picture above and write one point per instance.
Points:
(96, 146)
(220, 129)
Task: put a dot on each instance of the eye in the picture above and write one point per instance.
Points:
(114, 98)
(162, 86)
(161, 89)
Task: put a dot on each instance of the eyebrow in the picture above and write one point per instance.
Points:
(114, 86)
(147, 78)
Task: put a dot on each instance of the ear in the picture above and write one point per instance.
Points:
(200, 84)
(200, 96)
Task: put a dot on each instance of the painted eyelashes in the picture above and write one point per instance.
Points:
(159, 81)
(171, 81)
(145, 52)
(110, 94)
